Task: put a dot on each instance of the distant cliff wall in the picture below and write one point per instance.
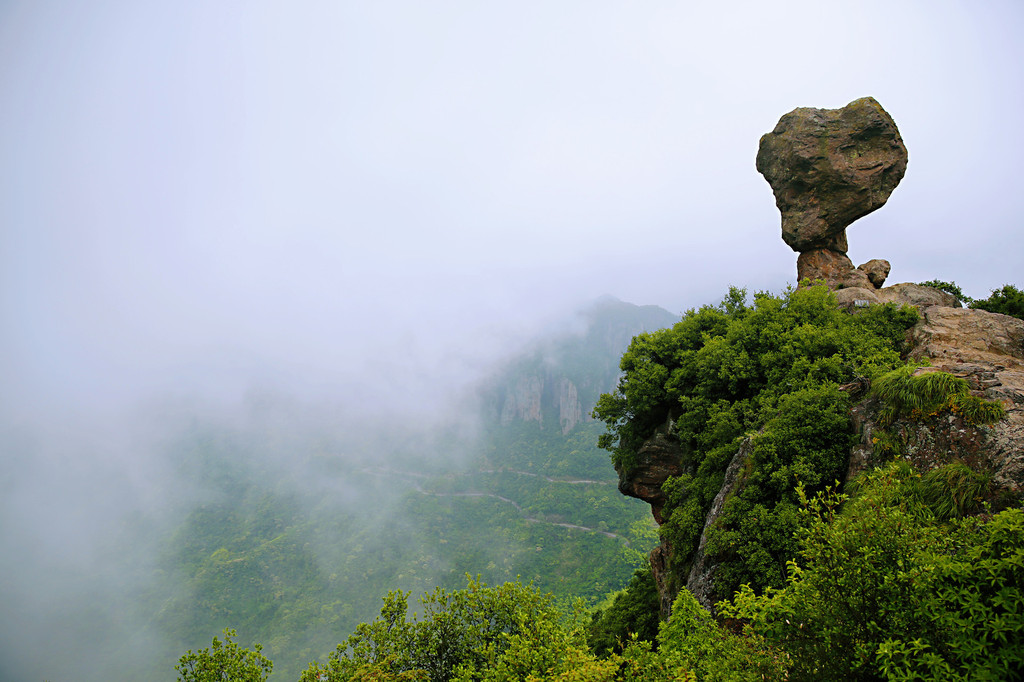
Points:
(556, 381)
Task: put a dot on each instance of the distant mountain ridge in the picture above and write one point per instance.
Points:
(557, 381)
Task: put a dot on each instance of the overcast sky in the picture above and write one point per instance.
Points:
(205, 194)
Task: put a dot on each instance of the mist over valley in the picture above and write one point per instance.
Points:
(301, 304)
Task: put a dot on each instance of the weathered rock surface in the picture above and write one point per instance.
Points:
(660, 457)
(876, 270)
(950, 336)
(916, 295)
(570, 411)
(523, 400)
(835, 268)
(986, 349)
(829, 167)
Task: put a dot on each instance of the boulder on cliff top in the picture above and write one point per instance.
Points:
(877, 270)
(829, 167)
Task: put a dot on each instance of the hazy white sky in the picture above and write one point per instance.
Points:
(367, 195)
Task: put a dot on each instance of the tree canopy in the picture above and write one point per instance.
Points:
(770, 371)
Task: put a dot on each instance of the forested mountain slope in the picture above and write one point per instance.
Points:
(903, 566)
(296, 564)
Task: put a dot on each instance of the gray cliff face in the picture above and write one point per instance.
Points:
(570, 411)
(557, 381)
(522, 401)
(526, 401)
(658, 459)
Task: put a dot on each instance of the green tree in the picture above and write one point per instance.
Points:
(770, 371)
(1009, 300)
(950, 288)
(692, 640)
(632, 612)
(511, 631)
(224, 661)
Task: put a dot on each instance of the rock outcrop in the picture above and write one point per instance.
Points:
(827, 168)
(658, 459)
(987, 350)
(917, 295)
(555, 382)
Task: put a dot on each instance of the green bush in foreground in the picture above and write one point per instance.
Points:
(511, 631)
(632, 613)
(883, 590)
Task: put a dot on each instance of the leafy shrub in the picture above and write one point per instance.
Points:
(849, 591)
(1009, 300)
(884, 589)
(633, 614)
(949, 288)
(972, 601)
(510, 631)
(692, 640)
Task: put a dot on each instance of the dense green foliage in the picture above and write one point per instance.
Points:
(631, 612)
(477, 633)
(513, 632)
(770, 371)
(1008, 299)
(224, 661)
(884, 589)
(694, 642)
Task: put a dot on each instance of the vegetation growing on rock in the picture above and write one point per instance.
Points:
(1006, 300)
(905, 394)
(886, 589)
(905, 574)
(772, 371)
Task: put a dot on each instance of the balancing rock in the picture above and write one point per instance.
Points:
(828, 167)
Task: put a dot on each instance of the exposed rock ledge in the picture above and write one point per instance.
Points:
(986, 349)
(660, 457)
(916, 295)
